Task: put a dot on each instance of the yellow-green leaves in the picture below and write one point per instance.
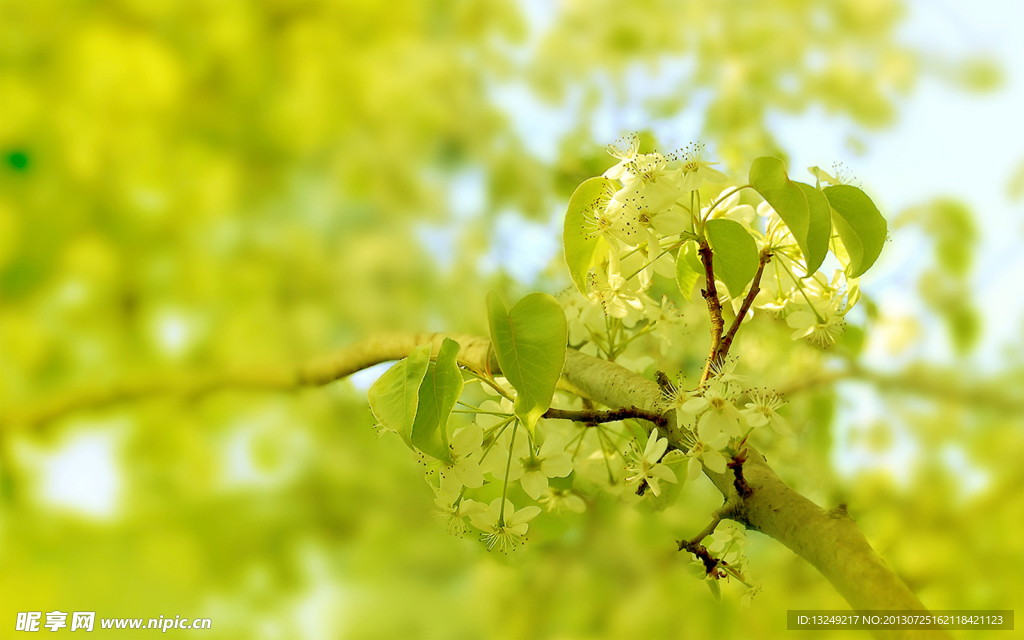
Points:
(415, 397)
(688, 269)
(735, 254)
(861, 227)
(395, 396)
(579, 235)
(529, 342)
(810, 214)
(438, 393)
(769, 178)
(801, 210)
(819, 227)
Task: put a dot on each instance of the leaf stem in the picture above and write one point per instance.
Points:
(508, 469)
(800, 287)
(489, 381)
(755, 288)
(604, 449)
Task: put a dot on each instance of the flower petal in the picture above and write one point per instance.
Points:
(467, 440)
(523, 516)
(575, 503)
(693, 468)
(664, 473)
(800, 320)
(652, 443)
(711, 174)
(781, 426)
(714, 461)
(534, 483)
(690, 181)
(756, 418)
(694, 405)
(654, 485)
(718, 442)
(554, 445)
(469, 473)
(557, 466)
(709, 426)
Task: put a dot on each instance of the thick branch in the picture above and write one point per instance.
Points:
(314, 372)
(829, 540)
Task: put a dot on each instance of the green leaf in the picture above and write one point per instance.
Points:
(529, 343)
(819, 228)
(789, 199)
(688, 269)
(395, 395)
(769, 178)
(735, 253)
(441, 388)
(861, 227)
(578, 235)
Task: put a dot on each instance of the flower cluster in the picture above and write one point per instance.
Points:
(652, 207)
(711, 421)
(649, 214)
(725, 549)
(496, 448)
(557, 466)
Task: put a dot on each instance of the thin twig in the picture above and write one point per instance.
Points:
(710, 293)
(592, 416)
(755, 288)
(725, 512)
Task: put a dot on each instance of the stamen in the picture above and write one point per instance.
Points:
(625, 147)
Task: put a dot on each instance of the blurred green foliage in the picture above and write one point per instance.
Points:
(190, 186)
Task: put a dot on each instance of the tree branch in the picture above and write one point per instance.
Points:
(710, 293)
(726, 511)
(314, 372)
(755, 287)
(591, 416)
(829, 540)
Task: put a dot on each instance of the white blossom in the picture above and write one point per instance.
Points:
(696, 170)
(551, 462)
(762, 410)
(647, 467)
(503, 530)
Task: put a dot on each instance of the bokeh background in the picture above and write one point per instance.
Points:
(194, 186)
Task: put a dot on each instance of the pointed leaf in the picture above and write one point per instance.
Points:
(819, 228)
(578, 235)
(768, 177)
(441, 388)
(735, 254)
(861, 227)
(688, 269)
(529, 343)
(394, 397)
